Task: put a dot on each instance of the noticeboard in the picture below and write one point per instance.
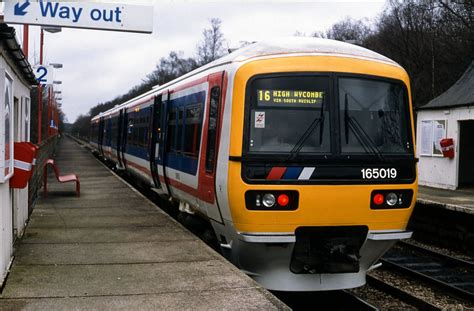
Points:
(432, 131)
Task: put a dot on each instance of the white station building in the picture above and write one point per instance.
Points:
(16, 81)
(450, 115)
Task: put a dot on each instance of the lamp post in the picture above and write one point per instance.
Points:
(40, 87)
(51, 109)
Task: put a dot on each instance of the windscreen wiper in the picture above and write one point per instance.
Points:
(301, 141)
(361, 135)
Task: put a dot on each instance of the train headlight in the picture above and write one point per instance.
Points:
(268, 200)
(391, 199)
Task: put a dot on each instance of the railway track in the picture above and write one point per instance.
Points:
(329, 300)
(451, 274)
(401, 295)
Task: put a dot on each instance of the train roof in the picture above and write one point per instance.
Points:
(276, 47)
(301, 45)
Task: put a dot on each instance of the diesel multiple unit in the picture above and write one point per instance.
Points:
(299, 152)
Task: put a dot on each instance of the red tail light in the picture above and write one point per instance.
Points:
(283, 200)
(379, 199)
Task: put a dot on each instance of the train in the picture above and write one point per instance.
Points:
(299, 152)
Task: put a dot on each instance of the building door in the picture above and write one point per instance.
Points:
(466, 154)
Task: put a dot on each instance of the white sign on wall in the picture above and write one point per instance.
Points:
(426, 137)
(432, 131)
(103, 16)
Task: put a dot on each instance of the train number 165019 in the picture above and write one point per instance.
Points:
(376, 173)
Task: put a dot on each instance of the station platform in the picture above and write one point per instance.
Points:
(461, 200)
(112, 249)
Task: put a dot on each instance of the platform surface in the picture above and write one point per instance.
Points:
(112, 249)
(461, 200)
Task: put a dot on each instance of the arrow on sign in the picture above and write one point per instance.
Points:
(20, 9)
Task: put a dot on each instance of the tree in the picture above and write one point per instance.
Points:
(212, 45)
(350, 30)
(432, 40)
(171, 67)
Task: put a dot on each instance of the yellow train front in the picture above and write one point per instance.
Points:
(316, 174)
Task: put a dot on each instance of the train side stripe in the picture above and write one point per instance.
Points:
(306, 173)
(276, 173)
(292, 173)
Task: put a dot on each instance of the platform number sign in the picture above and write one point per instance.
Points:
(44, 74)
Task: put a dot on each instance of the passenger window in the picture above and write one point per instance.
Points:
(179, 130)
(171, 130)
(130, 131)
(192, 130)
(212, 129)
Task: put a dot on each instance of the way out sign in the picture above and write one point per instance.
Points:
(103, 16)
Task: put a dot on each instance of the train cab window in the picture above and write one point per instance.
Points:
(289, 114)
(374, 116)
(192, 130)
(212, 129)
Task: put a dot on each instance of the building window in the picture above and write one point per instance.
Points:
(6, 129)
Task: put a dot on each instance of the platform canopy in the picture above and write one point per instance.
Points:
(12, 47)
(458, 95)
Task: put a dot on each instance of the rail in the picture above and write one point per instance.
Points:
(449, 273)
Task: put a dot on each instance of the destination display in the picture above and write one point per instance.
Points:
(289, 97)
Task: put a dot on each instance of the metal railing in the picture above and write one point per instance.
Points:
(47, 149)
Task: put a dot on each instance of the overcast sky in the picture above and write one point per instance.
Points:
(100, 65)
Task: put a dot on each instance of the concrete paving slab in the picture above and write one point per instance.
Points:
(232, 299)
(112, 279)
(67, 195)
(76, 212)
(61, 221)
(116, 253)
(132, 203)
(105, 235)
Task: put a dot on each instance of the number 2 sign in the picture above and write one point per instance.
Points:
(44, 74)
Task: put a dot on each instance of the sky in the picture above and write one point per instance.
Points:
(101, 65)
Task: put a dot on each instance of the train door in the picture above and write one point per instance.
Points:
(207, 171)
(155, 139)
(100, 141)
(163, 139)
(120, 128)
(123, 138)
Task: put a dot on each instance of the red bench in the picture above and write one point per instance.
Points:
(61, 179)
